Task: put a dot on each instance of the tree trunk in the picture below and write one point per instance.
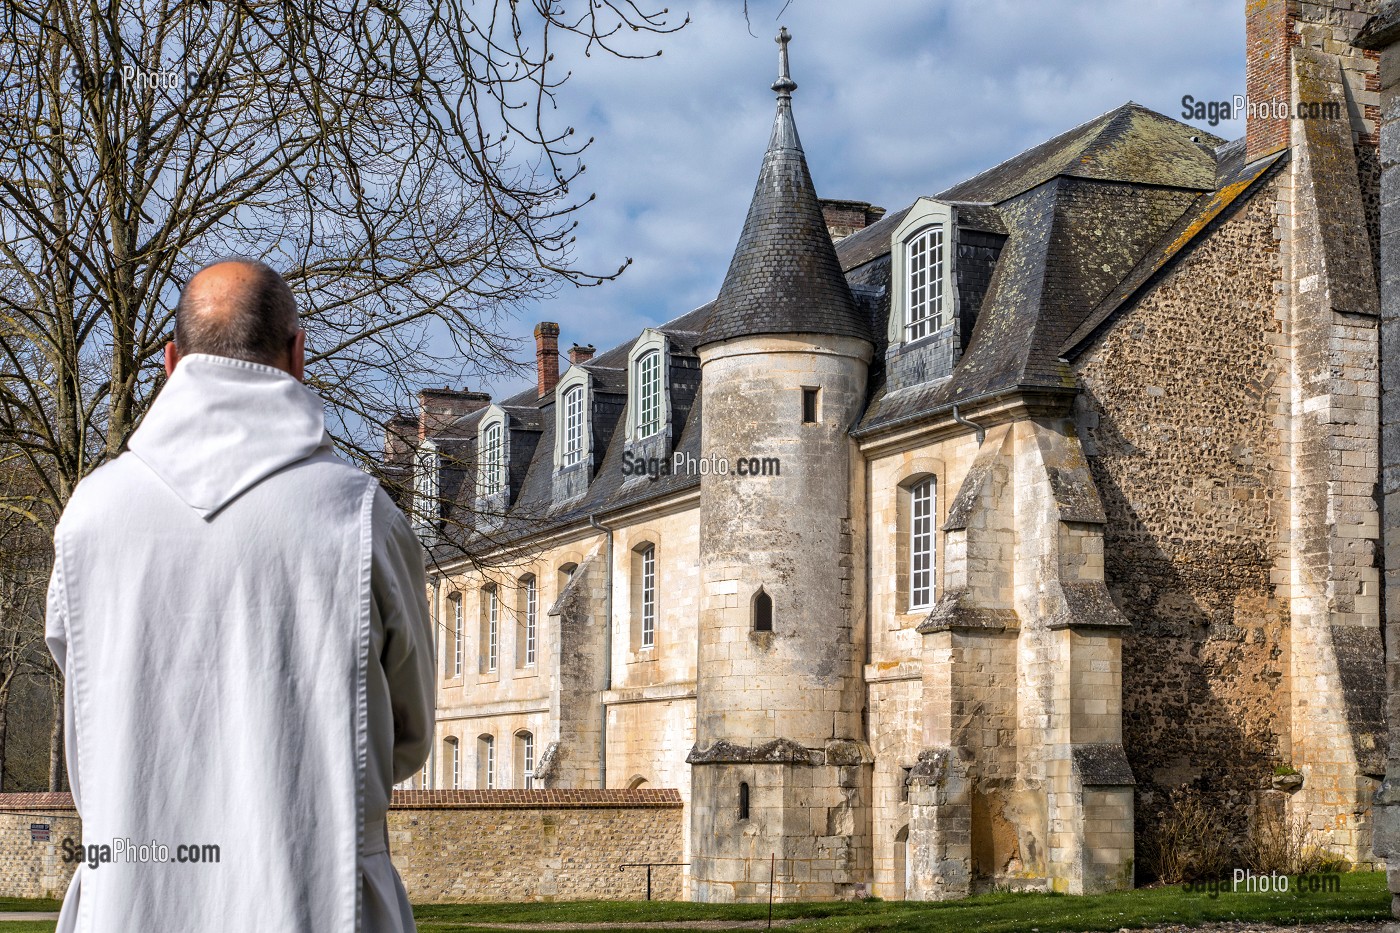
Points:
(56, 734)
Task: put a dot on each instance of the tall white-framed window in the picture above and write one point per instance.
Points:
(924, 282)
(493, 462)
(648, 376)
(922, 502)
(425, 487)
(486, 762)
(532, 618)
(452, 753)
(525, 742)
(649, 596)
(459, 634)
(426, 776)
(490, 629)
(573, 425)
(648, 403)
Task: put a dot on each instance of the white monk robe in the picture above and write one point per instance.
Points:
(242, 620)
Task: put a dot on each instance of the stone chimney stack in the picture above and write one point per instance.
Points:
(547, 356)
(578, 354)
(437, 408)
(846, 217)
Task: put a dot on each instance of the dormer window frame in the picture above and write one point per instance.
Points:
(912, 287)
(493, 453)
(576, 383)
(639, 374)
(427, 467)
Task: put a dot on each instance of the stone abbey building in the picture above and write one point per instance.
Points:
(997, 519)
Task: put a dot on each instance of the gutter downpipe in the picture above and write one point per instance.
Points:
(607, 654)
(437, 655)
(981, 431)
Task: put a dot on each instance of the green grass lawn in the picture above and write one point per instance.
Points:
(1363, 897)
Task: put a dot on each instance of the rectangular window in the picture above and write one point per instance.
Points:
(458, 637)
(925, 283)
(921, 503)
(532, 604)
(493, 628)
(809, 405)
(488, 762)
(493, 474)
(573, 426)
(649, 394)
(454, 762)
(649, 597)
(527, 772)
(424, 777)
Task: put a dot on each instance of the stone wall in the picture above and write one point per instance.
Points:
(1183, 418)
(449, 846)
(31, 867)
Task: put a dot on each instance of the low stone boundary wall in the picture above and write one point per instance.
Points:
(448, 845)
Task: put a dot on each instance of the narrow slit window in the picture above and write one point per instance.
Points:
(744, 800)
(762, 612)
(649, 597)
(809, 405)
(921, 505)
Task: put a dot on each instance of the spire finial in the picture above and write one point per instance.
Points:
(784, 85)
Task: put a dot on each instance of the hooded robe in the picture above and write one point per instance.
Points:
(242, 621)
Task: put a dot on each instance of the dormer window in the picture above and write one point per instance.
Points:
(649, 394)
(922, 253)
(425, 488)
(573, 426)
(924, 265)
(648, 403)
(493, 460)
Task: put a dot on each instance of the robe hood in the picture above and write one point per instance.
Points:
(220, 426)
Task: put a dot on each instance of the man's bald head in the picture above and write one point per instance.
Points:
(239, 308)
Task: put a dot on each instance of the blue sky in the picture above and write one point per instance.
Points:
(895, 99)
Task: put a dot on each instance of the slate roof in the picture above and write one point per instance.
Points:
(1088, 218)
(784, 277)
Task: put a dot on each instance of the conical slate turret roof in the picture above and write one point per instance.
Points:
(784, 277)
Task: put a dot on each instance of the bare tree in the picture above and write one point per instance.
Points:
(402, 161)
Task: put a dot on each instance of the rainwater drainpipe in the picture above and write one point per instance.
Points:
(981, 431)
(607, 654)
(437, 656)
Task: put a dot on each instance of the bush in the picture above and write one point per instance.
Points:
(1288, 847)
(1190, 845)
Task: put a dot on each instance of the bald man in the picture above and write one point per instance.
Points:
(242, 621)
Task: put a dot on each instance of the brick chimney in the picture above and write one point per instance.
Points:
(400, 434)
(1268, 34)
(846, 217)
(578, 354)
(437, 408)
(547, 356)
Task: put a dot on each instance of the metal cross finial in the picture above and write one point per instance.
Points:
(784, 85)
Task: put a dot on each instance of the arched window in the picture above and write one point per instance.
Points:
(527, 625)
(566, 576)
(636, 782)
(452, 761)
(574, 426)
(922, 501)
(490, 629)
(459, 635)
(744, 800)
(924, 282)
(647, 378)
(525, 758)
(762, 611)
(493, 464)
(486, 762)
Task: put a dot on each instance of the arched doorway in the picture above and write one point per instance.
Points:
(901, 863)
